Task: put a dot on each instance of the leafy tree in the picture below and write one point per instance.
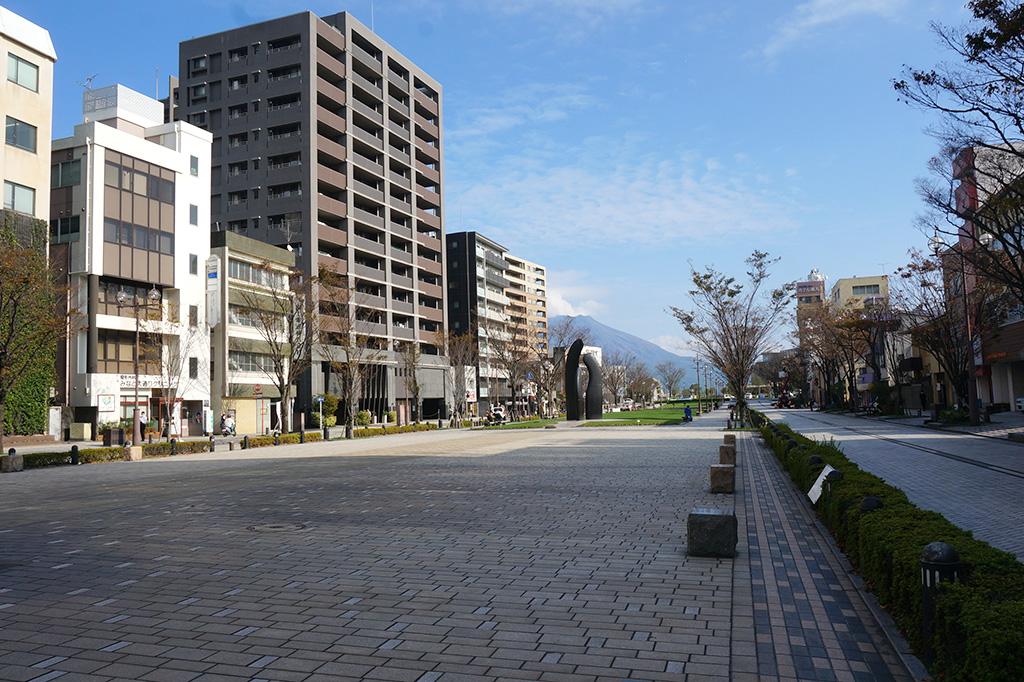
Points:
(734, 323)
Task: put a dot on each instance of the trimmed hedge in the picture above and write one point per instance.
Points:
(286, 439)
(85, 456)
(978, 631)
(390, 430)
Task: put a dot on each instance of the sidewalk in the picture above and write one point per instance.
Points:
(1000, 425)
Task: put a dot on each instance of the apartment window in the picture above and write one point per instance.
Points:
(193, 316)
(66, 173)
(126, 234)
(24, 73)
(243, 361)
(193, 264)
(237, 54)
(64, 230)
(193, 214)
(866, 289)
(19, 198)
(256, 275)
(194, 165)
(193, 368)
(21, 135)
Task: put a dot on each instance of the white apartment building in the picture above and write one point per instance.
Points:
(130, 228)
(26, 109)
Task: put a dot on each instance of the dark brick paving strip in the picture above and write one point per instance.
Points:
(562, 561)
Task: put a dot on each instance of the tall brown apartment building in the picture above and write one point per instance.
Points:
(327, 140)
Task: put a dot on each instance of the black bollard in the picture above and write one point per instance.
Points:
(150, 436)
(212, 445)
(231, 446)
(940, 563)
(302, 427)
(74, 455)
(327, 434)
(12, 452)
(174, 446)
(277, 438)
(245, 442)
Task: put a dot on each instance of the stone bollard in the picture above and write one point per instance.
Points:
(727, 454)
(711, 533)
(723, 478)
(730, 439)
(12, 462)
(728, 423)
(231, 446)
(940, 563)
(74, 455)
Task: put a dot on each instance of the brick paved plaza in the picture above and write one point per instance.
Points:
(549, 554)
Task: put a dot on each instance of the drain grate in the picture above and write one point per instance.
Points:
(277, 527)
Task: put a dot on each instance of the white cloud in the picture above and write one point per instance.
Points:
(569, 293)
(673, 344)
(812, 15)
(530, 104)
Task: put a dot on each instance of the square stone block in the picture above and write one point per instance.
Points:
(135, 453)
(711, 533)
(9, 464)
(730, 439)
(727, 454)
(723, 478)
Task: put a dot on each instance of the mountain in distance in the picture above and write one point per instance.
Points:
(612, 340)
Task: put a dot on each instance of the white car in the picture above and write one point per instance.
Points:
(748, 396)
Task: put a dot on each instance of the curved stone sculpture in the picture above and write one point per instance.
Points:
(595, 391)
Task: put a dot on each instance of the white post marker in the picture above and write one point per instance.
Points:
(815, 492)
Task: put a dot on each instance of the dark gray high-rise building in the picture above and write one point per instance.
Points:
(328, 140)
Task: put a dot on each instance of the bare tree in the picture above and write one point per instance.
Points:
(547, 375)
(976, 191)
(733, 324)
(512, 353)
(347, 350)
(280, 313)
(671, 376)
(460, 349)
(409, 357)
(639, 382)
(173, 354)
(615, 374)
(566, 329)
(30, 323)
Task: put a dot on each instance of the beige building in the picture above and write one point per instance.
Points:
(858, 291)
(527, 294)
(26, 107)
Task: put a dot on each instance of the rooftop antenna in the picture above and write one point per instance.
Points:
(87, 83)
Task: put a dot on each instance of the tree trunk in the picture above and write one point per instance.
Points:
(2, 451)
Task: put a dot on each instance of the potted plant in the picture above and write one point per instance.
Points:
(113, 433)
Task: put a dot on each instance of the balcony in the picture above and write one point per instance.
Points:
(401, 281)
(336, 265)
(331, 119)
(428, 218)
(368, 190)
(403, 332)
(401, 205)
(428, 289)
(432, 314)
(369, 138)
(372, 114)
(401, 306)
(284, 141)
(431, 153)
(432, 243)
(335, 65)
(333, 149)
(495, 261)
(400, 155)
(330, 34)
(331, 234)
(400, 230)
(366, 58)
(332, 177)
(370, 300)
(428, 172)
(429, 194)
(369, 245)
(427, 103)
(429, 127)
(367, 164)
(400, 180)
(494, 278)
(368, 272)
(431, 266)
(398, 80)
(399, 130)
(325, 88)
(401, 255)
(331, 206)
(367, 85)
(367, 217)
(398, 105)
(372, 328)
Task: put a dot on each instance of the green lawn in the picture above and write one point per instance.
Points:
(528, 424)
(670, 413)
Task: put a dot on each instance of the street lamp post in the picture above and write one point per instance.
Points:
(123, 298)
(939, 245)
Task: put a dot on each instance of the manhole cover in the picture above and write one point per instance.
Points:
(277, 528)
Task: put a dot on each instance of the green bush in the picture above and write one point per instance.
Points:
(979, 624)
(390, 430)
(85, 456)
(391, 417)
(186, 447)
(363, 418)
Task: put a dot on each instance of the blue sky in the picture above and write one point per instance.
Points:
(615, 141)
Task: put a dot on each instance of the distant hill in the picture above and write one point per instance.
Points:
(613, 340)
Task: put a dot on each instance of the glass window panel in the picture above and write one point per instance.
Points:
(126, 179)
(193, 214)
(125, 234)
(141, 237)
(22, 72)
(111, 174)
(166, 244)
(110, 230)
(141, 183)
(20, 134)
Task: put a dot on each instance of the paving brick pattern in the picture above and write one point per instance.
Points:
(561, 560)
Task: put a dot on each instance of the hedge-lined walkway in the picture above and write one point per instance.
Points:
(809, 621)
